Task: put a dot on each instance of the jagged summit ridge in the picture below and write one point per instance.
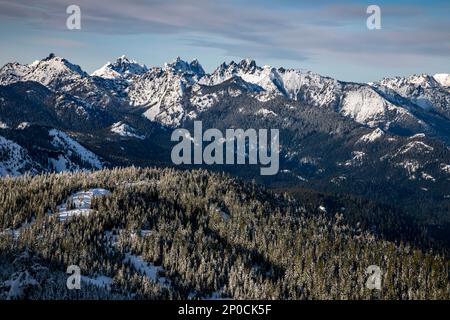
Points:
(163, 90)
(180, 66)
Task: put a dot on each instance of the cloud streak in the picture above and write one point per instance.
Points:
(281, 30)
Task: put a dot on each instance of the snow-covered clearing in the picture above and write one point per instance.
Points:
(79, 204)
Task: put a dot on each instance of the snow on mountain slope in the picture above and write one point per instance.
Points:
(266, 113)
(204, 102)
(12, 72)
(59, 75)
(53, 71)
(106, 72)
(222, 73)
(310, 87)
(366, 106)
(192, 69)
(357, 101)
(416, 146)
(169, 94)
(15, 160)
(423, 90)
(72, 149)
(203, 97)
(443, 79)
(373, 136)
(266, 78)
(123, 67)
(162, 90)
(125, 130)
(163, 93)
(363, 105)
(445, 168)
(294, 84)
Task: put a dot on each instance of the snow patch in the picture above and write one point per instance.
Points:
(443, 79)
(79, 204)
(71, 147)
(411, 167)
(371, 137)
(106, 72)
(338, 180)
(445, 168)
(356, 160)
(23, 125)
(265, 112)
(426, 176)
(366, 106)
(417, 136)
(417, 146)
(124, 130)
(204, 102)
(15, 159)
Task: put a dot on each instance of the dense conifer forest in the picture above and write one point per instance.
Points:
(193, 234)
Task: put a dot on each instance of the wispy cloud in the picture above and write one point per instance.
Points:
(267, 29)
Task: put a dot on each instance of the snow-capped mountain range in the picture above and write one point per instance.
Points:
(163, 91)
(396, 130)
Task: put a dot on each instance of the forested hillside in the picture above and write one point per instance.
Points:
(167, 234)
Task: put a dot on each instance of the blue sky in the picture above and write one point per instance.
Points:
(327, 37)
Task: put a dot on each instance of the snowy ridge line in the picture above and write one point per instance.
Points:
(162, 90)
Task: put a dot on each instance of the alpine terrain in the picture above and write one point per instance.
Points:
(88, 180)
